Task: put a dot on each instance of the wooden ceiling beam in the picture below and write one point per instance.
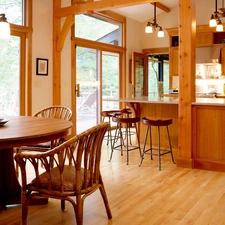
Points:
(97, 6)
(161, 6)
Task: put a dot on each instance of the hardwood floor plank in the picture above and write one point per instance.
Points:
(140, 196)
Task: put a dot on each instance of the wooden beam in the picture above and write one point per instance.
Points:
(65, 29)
(98, 6)
(161, 6)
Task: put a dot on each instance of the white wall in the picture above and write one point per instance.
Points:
(42, 48)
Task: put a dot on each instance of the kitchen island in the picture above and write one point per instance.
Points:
(208, 128)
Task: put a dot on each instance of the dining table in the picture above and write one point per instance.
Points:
(16, 131)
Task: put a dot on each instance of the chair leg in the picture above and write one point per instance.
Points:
(25, 205)
(79, 210)
(105, 199)
(62, 205)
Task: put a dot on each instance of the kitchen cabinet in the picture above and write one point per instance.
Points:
(204, 39)
(174, 54)
(223, 60)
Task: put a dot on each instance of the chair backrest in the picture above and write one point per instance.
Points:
(81, 153)
(59, 112)
(90, 100)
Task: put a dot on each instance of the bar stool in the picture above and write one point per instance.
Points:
(108, 114)
(160, 152)
(123, 145)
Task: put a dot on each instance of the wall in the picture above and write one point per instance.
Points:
(134, 44)
(42, 48)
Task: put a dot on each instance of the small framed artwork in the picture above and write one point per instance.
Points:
(42, 67)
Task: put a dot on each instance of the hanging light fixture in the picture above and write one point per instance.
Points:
(215, 20)
(4, 27)
(153, 26)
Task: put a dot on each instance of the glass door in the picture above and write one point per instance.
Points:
(97, 80)
(88, 83)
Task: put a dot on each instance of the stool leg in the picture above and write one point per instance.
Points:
(113, 144)
(159, 154)
(150, 141)
(138, 140)
(145, 141)
(127, 140)
(171, 151)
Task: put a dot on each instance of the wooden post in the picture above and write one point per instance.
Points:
(187, 37)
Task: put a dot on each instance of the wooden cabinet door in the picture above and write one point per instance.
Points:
(174, 61)
(223, 60)
(140, 74)
(204, 39)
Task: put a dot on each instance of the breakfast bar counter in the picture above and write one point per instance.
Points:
(208, 127)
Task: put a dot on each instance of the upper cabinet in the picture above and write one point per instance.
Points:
(204, 39)
(174, 61)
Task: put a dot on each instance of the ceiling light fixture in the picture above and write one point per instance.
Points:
(153, 26)
(4, 27)
(215, 20)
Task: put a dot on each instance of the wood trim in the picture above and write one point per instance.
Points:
(156, 50)
(56, 55)
(97, 6)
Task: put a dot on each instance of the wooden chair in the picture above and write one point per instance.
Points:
(58, 112)
(77, 172)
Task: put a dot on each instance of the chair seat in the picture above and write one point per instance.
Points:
(69, 176)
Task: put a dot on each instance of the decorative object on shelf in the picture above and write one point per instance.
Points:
(4, 27)
(153, 26)
(42, 67)
(215, 20)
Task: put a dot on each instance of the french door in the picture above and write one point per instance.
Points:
(97, 79)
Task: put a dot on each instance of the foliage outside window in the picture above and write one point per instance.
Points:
(13, 9)
(98, 29)
(153, 75)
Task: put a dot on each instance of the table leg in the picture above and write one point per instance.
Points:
(10, 189)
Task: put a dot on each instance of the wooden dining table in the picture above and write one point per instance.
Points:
(19, 131)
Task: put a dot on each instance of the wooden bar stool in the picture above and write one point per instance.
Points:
(108, 114)
(159, 151)
(119, 142)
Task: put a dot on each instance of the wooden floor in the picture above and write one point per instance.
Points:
(140, 196)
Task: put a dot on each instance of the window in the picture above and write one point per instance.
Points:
(98, 28)
(13, 9)
(158, 70)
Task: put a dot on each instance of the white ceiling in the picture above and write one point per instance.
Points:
(144, 12)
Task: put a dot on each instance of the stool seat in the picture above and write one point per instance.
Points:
(159, 151)
(156, 122)
(121, 143)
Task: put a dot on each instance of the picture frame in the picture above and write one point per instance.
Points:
(42, 67)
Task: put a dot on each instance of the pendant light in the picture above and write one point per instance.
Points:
(153, 26)
(215, 20)
(4, 27)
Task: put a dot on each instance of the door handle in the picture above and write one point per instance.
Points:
(77, 90)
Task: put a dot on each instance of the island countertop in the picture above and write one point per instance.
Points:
(169, 100)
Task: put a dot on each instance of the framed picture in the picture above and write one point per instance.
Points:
(42, 67)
